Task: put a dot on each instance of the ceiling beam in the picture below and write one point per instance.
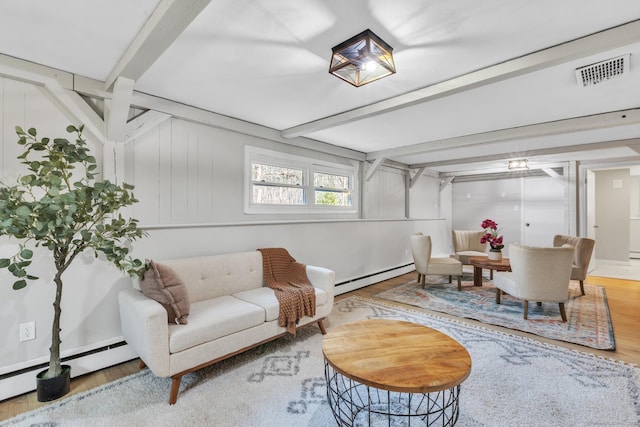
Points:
(374, 167)
(143, 123)
(56, 86)
(117, 111)
(417, 176)
(576, 124)
(446, 181)
(95, 89)
(633, 143)
(635, 147)
(589, 45)
(553, 174)
(166, 23)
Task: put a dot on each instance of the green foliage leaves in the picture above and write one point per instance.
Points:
(64, 213)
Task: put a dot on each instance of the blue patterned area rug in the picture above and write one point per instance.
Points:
(588, 318)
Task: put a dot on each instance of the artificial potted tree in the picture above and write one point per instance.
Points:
(60, 206)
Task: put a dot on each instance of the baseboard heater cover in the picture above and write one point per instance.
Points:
(369, 279)
(24, 381)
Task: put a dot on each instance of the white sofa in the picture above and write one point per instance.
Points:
(231, 310)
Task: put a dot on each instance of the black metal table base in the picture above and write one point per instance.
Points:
(355, 404)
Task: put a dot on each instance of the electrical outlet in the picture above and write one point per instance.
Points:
(27, 331)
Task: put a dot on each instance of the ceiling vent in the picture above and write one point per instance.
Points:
(591, 75)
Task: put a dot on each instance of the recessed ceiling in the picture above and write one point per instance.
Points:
(473, 78)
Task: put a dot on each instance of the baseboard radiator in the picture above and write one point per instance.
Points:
(24, 380)
(360, 282)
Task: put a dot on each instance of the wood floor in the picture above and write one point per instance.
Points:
(624, 304)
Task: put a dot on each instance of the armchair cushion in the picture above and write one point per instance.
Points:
(466, 244)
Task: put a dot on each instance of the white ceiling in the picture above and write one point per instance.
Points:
(475, 82)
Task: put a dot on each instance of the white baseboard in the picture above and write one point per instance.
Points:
(369, 280)
(25, 382)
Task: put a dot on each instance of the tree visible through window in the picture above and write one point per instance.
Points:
(276, 185)
(279, 182)
(331, 190)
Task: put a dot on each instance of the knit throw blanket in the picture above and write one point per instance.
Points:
(289, 281)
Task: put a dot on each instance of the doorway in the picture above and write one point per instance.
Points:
(608, 214)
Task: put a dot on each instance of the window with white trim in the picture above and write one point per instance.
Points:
(278, 182)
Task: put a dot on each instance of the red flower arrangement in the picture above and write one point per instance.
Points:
(491, 234)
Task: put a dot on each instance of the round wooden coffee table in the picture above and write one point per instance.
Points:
(382, 371)
(480, 262)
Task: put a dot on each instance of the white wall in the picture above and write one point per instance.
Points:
(384, 194)
(513, 203)
(188, 179)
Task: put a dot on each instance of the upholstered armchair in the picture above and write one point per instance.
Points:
(466, 244)
(581, 257)
(425, 264)
(537, 274)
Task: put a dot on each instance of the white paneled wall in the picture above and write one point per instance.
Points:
(385, 194)
(172, 169)
(425, 198)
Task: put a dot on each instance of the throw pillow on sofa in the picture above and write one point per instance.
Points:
(162, 284)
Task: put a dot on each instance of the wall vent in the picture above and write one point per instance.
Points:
(600, 72)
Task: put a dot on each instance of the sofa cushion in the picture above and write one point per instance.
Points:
(162, 284)
(218, 275)
(212, 319)
(266, 298)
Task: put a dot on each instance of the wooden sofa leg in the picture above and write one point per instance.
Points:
(459, 283)
(322, 329)
(582, 286)
(142, 365)
(526, 309)
(563, 313)
(175, 388)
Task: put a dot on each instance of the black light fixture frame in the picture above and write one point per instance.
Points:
(349, 63)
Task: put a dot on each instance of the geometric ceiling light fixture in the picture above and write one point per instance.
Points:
(518, 165)
(362, 59)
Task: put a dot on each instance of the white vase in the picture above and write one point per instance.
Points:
(495, 255)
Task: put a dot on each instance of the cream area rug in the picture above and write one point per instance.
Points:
(515, 381)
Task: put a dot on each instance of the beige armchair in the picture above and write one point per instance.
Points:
(537, 274)
(581, 257)
(425, 264)
(466, 244)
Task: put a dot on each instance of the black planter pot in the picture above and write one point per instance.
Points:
(53, 388)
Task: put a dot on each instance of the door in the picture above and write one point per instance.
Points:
(544, 210)
(612, 206)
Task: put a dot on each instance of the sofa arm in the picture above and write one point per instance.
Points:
(322, 278)
(145, 328)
